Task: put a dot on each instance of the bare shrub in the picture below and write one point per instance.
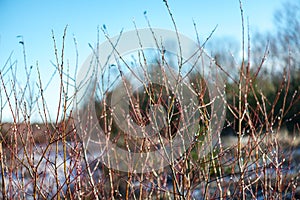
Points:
(257, 159)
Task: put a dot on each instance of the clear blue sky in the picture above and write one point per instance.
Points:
(34, 20)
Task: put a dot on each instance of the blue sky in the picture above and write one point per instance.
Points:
(35, 19)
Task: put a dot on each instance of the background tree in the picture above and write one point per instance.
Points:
(274, 69)
(281, 50)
